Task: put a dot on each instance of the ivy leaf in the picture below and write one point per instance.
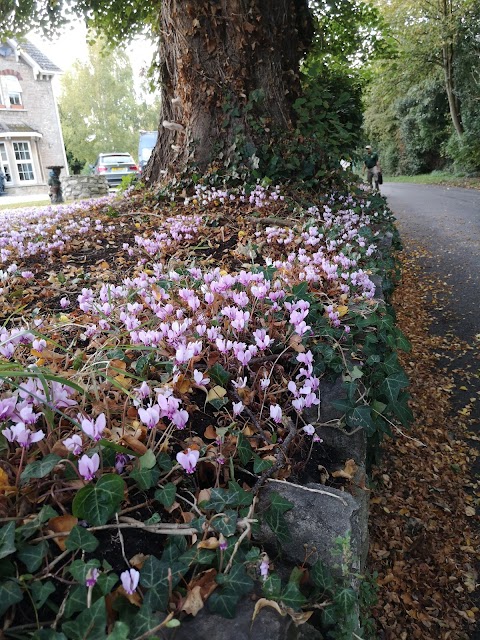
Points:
(272, 587)
(392, 385)
(159, 577)
(106, 582)
(79, 569)
(244, 449)
(292, 597)
(236, 496)
(32, 555)
(219, 375)
(361, 416)
(145, 478)
(279, 503)
(391, 364)
(7, 540)
(342, 404)
(97, 503)
(143, 620)
(49, 634)
(76, 600)
(40, 468)
(166, 495)
(321, 577)
(345, 599)
(41, 591)
(10, 594)
(224, 602)
(237, 580)
(164, 462)
(28, 529)
(90, 624)
(401, 409)
(120, 631)
(148, 460)
(81, 539)
(329, 616)
(260, 465)
(402, 342)
(216, 502)
(226, 524)
(274, 516)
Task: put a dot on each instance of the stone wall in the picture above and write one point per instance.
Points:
(83, 187)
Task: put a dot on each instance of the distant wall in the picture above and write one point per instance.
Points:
(83, 187)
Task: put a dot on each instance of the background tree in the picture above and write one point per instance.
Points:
(432, 71)
(99, 108)
(230, 76)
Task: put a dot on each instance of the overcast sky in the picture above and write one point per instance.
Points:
(72, 45)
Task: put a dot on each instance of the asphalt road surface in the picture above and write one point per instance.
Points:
(446, 222)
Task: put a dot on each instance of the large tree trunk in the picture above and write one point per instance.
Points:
(229, 74)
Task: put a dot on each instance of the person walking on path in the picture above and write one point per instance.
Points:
(2, 183)
(371, 166)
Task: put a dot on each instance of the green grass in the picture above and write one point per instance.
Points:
(18, 205)
(437, 177)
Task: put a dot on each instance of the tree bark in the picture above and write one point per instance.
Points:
(229, 75)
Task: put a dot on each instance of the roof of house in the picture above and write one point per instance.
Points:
(37, 56)
(18, 127)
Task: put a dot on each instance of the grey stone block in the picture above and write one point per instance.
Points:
(268, 625)
(343, 444)
(319, 516)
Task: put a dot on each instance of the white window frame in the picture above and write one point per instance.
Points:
(11, 91)
(5, 163)
(26, 150)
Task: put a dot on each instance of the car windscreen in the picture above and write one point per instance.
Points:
(116, 160)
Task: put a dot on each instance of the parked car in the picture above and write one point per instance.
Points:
(146, 144)
(114, 166)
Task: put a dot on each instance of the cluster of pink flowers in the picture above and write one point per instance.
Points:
(17, 410)
(42, 230)
(195, 316)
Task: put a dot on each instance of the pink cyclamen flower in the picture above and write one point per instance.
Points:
(309, 429)
(130, 580)
(188, 459)
(276, 413)
(23, 435)
(64, 303)
(92, 577)
(238, 407)
(74, 444)
(150, 416)
(88, 467)
(7, 407)
(264, 566)
(180, 418)
(199, 378)
(93, 429)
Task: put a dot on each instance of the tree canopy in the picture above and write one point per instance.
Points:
(421, 103)
(99, 109)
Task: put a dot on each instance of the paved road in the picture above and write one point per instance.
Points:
(446, 220)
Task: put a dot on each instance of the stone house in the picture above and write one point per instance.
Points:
(30, 132)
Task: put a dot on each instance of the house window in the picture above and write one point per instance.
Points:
(23, 159)
(11, 91)
(5, 165)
